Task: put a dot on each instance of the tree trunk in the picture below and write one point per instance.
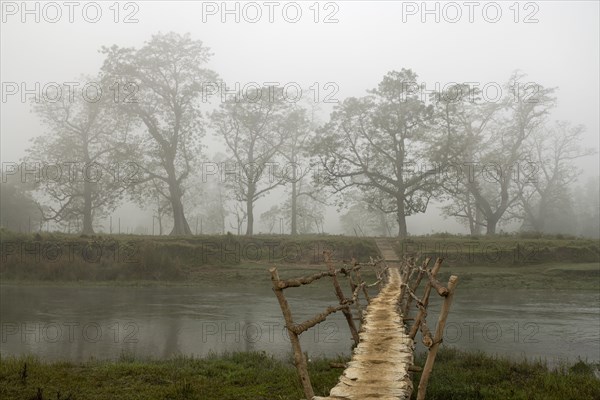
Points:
(88, 228)
(472, 225)
(478, 218)
(402, 231)
(250, 212)
(491, 226)
(539, 221)
(180, 224)
(294, 229)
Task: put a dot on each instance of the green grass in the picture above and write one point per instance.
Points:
(564, 276)
(463, 376)
(502, 250)
(238, 376)
(234, 376)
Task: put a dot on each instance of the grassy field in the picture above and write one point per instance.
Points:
(257, 376)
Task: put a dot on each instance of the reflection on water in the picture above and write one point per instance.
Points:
(79, 323)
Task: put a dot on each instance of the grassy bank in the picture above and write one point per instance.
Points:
(114, 258)
(502, 261)
(502, 250)
(240, 376)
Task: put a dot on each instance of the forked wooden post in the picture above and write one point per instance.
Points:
(405, 273)
(365, 290)
(342, 299)
(439, 333)
(406, 309)
(425, 299)
(299, 358)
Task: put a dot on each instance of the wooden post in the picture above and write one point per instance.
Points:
(299, 358)
(406, 309)
(425, 299)
(408, 270)
(352, 287)
(340, 295)
(365, 290)
(439, 333)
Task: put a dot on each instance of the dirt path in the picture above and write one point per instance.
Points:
(387, 251)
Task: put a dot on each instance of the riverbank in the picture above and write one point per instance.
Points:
(239, 376)
(511, 261)
(552, 276)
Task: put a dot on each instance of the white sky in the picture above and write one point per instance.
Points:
(370, 39)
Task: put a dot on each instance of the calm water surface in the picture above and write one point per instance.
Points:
(79, 323)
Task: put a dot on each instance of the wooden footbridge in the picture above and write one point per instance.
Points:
(382, 364)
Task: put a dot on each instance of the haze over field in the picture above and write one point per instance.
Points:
(554, 43)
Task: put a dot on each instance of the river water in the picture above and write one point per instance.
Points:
(79, 323)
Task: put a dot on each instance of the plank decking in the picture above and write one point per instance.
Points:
(380, 362)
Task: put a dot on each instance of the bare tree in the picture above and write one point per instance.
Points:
(163, 81)
(297, 170)
(496, 152)
(252, 124)
(240, 213)
(378, 143)
(544, 190)
(462, 115)
(86, 156)
(304, 212)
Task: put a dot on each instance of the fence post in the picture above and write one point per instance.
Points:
(340, 295)
(299, 358)
(439, 334)
(425, 299)
(413, 288)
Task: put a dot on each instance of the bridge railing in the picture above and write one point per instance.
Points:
(352, 272)
(412, 275)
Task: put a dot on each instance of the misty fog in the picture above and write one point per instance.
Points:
(345, 54)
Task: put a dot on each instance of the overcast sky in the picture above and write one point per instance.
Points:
(370, 38)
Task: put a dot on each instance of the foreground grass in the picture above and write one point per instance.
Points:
(238, 376)
(461, 376)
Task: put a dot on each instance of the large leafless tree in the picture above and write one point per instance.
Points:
(254, 126)
(378, 144)
(161, 86)
(491, 151)
(84, 161)
(544, 193)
